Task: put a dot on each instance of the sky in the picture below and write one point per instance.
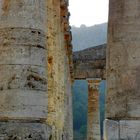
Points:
(88, 12)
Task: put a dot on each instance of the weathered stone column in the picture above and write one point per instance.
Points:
(123, 70)
(93, 125)
(59, 76)
(68, 69)
(23, 86)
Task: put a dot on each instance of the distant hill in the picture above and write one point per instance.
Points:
(85, 37)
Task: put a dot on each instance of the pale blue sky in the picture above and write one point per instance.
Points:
(88, 12)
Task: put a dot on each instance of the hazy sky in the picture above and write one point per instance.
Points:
(88, 12)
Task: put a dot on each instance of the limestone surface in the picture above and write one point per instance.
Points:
(123, 94)
(59, 70)
(23, 61)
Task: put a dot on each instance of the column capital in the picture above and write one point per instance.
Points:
(94, 83)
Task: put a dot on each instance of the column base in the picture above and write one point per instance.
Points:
(122, 130)
(24, 131)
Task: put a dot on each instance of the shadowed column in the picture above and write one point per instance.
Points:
(93, 125)
(123, 71)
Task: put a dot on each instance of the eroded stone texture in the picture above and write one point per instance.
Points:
(24, 61)
(93, 124)
(55, 83)
(24, 131)
(23, 80)
(59, 78)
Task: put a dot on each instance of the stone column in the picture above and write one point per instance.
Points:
(67, 49)
(93, 124)
(23, 79)
(123, 70)
(59, 77)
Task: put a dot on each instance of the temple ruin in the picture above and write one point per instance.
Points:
(37, 69)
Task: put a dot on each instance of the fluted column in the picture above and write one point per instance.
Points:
(23, 80)
(93, 125)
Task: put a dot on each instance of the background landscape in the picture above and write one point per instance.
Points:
(85, 37)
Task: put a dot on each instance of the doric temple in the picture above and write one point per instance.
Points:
(38, 67)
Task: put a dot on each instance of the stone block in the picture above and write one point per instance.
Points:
(15, 36)
(24, 131)
(122, 130)
(17, 103)
(111, 130)
(25, 77)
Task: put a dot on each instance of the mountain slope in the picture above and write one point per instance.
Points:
(85, 37)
